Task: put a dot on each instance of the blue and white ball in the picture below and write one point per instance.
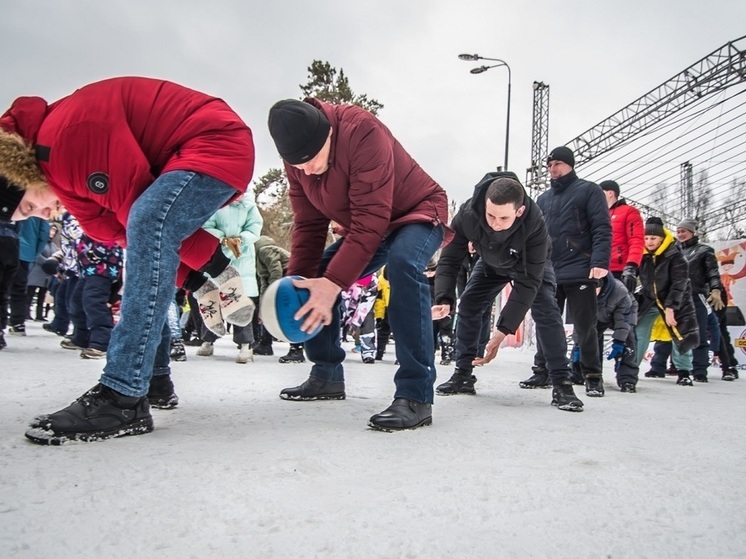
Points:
(280, 302)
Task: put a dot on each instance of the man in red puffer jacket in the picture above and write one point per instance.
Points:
(627, 236)
(144, 163)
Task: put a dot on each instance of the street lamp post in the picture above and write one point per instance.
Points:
(481, 69)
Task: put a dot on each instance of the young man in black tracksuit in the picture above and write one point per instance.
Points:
(508, 231)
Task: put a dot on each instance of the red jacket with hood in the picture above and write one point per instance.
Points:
(131, 130)
(372, 187)
(627, 236)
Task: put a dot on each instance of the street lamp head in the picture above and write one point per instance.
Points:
(479, 70)
(469, 57)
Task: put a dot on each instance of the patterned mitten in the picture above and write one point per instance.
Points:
(208, 299)
(236, 307)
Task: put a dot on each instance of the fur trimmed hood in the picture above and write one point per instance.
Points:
(18, 163)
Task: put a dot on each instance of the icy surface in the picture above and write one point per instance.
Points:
(235, 471)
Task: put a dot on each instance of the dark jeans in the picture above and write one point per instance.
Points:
(18, 297)
(481, 289)
(90, 312)
(8, 268)
(406, 252)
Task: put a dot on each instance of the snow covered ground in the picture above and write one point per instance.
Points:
(236, 472)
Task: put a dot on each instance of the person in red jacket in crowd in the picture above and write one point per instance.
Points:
(627, 236)
(344, 165)
(143, 162)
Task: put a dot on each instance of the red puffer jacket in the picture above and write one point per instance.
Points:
(129, 131)
(372, 187)
(627, 236)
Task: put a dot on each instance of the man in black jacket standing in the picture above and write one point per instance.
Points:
(508, 231)
(578, 223)
(704, 276)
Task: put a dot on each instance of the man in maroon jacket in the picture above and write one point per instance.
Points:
(627, 236)
(145, 163)
(344, 165)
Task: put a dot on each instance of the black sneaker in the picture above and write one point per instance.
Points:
(700, 378)
(178, 351)
(563, 396)
(461, 382)
(17, 329)
(99, 414)
(655, 374)
(315, 389)
(728, 374)
(295, 355)
(594, 387)
(684, 379)
(49, 328)
(161, 393)
(402, 414)
(540, 379)
(369, 360)
(628, 387)
(263, 350)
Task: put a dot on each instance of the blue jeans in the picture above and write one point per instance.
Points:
(172, 208)
(405, 252)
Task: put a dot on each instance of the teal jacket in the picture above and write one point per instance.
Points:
(241, 219)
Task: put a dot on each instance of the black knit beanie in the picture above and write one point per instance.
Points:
(654, 226)
(610, 185)
(562, 153)
(10, 197)
(298, 129)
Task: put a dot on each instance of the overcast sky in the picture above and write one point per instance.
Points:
(596, 56)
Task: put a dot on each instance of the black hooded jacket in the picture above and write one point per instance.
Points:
(518, 254)
(665, 285)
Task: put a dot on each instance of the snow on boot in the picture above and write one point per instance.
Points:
(178, 351)
(447, 351)
(295, 355)
(594, 387)
(208, 301)
(461, 382)
(236, 307)
(540, 379)
(161, 393)
(563, 396)
(206, 349)
(684, 379)
(245, 354)
(99, 414)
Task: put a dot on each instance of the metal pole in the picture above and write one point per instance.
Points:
(507, 122)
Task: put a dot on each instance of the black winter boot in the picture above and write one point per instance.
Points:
(594, 387)
(101, 413)
(161, 393)
(684, 379)
(402, 414)
(461, 382)
(295, 355)
(540, 379)
(563, 396)
(315, 389)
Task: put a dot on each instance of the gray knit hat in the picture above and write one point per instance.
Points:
(689, 224)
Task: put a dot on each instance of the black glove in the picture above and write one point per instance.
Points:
(50, 266)
(629, 277)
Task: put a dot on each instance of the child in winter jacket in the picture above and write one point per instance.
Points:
(100, 268)
(666, 292)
